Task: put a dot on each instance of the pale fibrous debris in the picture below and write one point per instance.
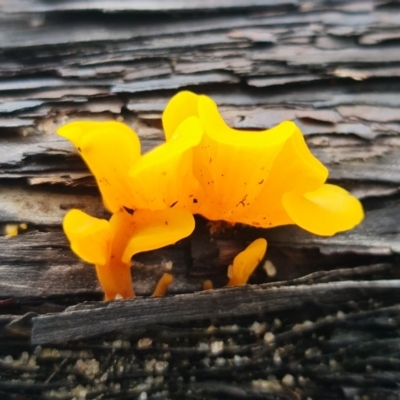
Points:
(143, 396)
(238, 360)
(220, 362)
(277, 358)
(229, 328)
(303, 325)
(202, 346)
(258, 328)
(312, 352)
(269, 338)
(168, 265)
(144, 343)
(149, 365)
(277, 323)
(160, 367)
(333, 364)
(289, 381)
(217, 347)
(121, 344)
(350, 73)
(269, 268)
(267, 386)
(340, 315)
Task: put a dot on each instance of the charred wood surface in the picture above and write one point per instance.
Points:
(321, 318)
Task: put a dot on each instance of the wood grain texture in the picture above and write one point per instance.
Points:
(332, 306)
(278, 62)
(103, 318)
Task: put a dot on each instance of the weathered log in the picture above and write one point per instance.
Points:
(333, 68)
(98, 319)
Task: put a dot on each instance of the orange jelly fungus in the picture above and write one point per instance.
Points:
(246, 262)
(110, 245)
(162, 285)
(145, 186)
(159, 179)
(109, 149)
(265, 179)
(208, 285)
(163, 177)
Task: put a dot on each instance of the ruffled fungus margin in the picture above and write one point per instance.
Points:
(260, 178)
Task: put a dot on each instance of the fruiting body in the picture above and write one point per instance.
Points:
(264, 179)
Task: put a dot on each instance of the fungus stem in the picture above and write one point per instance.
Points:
(162, 285)
(246, 262)
(208, 285)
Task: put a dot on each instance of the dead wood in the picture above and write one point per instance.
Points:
(324, 325)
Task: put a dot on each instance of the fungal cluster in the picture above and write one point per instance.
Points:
(263, 179)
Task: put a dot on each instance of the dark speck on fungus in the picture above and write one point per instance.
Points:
(129, 210)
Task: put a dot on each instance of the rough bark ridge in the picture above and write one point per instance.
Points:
(324, 325)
